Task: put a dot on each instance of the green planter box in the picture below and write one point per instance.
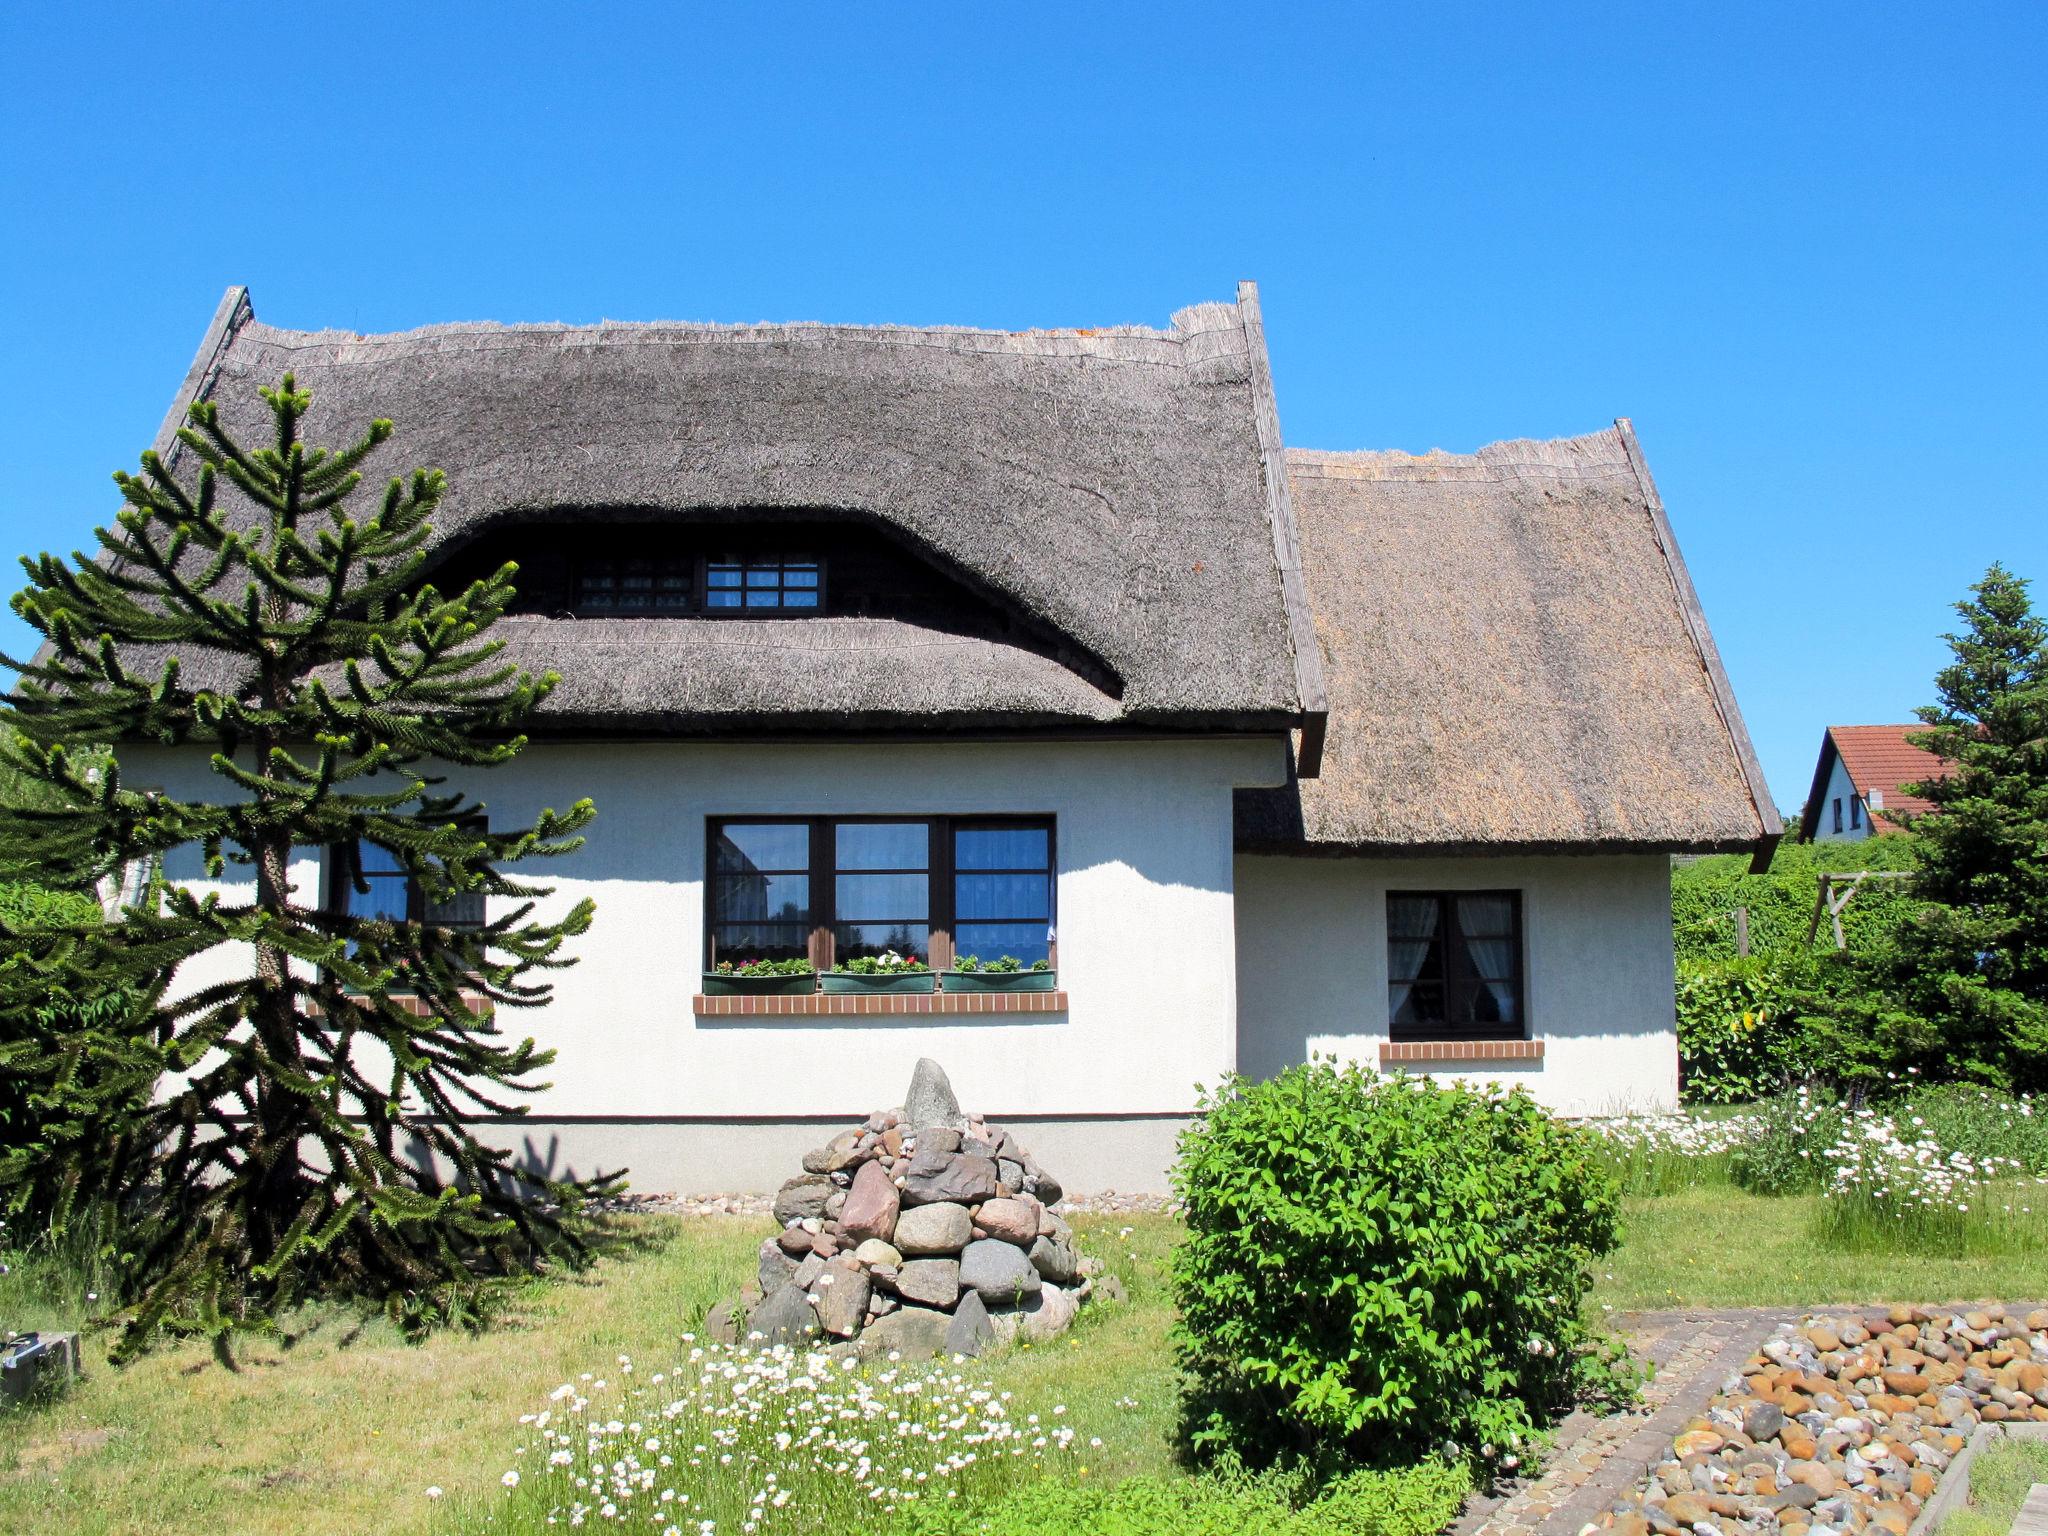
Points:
(899, 981)
(1002, 981)
(716, 985)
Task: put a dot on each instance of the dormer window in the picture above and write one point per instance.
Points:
(771, 585)
(634, 586)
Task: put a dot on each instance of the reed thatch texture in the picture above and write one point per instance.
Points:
(1110, 485)
(1515, 661)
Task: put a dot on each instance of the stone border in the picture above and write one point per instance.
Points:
(1955, 1487)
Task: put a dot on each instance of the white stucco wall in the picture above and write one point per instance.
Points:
(1144, 912)
(1312, 968)
(1839, 788)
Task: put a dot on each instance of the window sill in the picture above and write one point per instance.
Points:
(896, 1004)
(1417, 1052)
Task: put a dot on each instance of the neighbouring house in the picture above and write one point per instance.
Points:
(1860, 782)
(1042, 644)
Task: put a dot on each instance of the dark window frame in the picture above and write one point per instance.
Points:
(1838, 813)
(1458, 970)
(697, 603)
(823, 875)
(746, 610)
(1855, 813)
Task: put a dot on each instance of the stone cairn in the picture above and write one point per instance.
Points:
(920, 1231)
(1842, 1425)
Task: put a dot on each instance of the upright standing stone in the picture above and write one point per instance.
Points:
(930, 1100)
(971, 1330)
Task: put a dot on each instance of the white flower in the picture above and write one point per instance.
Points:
(510, 1479)
(433, 1493)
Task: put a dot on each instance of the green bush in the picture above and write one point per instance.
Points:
(35, 906)
(1376, 1268)
(1706, 892)
(1409, 1501)
(1741, 1035)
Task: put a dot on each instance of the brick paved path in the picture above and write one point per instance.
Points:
(1594, 1461)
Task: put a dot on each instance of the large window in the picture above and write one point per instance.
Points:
(1454, 965)
(837, 888)
(390, 894)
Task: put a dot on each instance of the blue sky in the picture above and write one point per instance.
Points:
(1802, 246)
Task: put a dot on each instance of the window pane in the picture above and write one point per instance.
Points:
(883, 898)
(764, 599)
(859, 939)
(800, 599)
(1002, 848)
(1011, 896)
(746, 898)
(1422, 1003)
(385, 899)
(764, 576)
(761, 941)
(372, 860)
(883, 845)
(746, 847)
(464, 910)
(800, 576)
(1486, 916)
(1029, 942)
(717, 599)
(722, 575)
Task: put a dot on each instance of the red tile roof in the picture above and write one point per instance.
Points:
(1877, 758)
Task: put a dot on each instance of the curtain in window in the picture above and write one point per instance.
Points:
(1411, 932)
(1488, 926)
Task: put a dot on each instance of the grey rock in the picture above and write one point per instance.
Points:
(998, 1271)
(1048, 1189)
(935, 1282)
(939, 1138)
(840, 1152)
(785, 1317)
(725, 1323)
(948, 1176)
(1055, 1260)
(970, 1332)
(915, 1333)
(930, 1100)
(1760, 1420)
(1010, 1172)
(806, 1273)
(842, 1292)
(803, 1197)
(929, 1229)
(776, 1267)
(1040, 1317)
(1109, 1288)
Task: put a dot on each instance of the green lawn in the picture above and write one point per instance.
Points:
(342, 1430)
(1999, 1481)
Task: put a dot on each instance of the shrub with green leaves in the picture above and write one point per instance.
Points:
(1381, 1267)
(1741, 1036)
(1406, 1501)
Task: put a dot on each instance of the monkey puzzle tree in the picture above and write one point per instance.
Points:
(316, 1074)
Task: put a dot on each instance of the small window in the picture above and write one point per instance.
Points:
(393, 895)
(1838, 813)
(634, 586)
(736, 585)
(1454, 965)
(1855, 813)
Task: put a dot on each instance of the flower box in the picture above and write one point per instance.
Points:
(34, 1364)
(1002, 981)
(879, 981)
(770, 984)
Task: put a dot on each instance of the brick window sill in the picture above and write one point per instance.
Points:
(1394, 1053)
(896, 1005)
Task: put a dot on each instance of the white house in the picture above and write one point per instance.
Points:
(1860, 782)
(1042, 644)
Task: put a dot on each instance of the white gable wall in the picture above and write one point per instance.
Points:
(1312, 968)
(1839, 787)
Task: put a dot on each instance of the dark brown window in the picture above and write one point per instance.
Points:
(392, 895)
(1838, 813)
(840, 887)
(762, 585)
(1855, 812)
(635, 586)
(1454, 965)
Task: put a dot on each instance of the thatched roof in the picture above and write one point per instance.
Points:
(1119, 489)
(1516, 660)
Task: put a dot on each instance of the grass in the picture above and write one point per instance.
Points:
(1999, 1481)
(341, 1428)
(1720, 1247)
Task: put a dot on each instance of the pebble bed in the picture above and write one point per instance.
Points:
(1841, 1424)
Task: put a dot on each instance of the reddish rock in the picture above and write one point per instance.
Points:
(871, 1206)
(1011, 1220)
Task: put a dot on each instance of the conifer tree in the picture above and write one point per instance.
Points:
(309, 1133)
(1961, 991)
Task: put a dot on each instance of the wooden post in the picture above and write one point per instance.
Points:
(1742, 932)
